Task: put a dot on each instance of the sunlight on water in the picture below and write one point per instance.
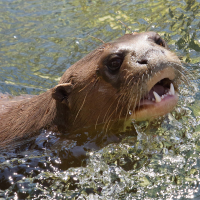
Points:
(39, 40)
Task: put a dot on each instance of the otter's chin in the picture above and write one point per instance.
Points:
(149, 110)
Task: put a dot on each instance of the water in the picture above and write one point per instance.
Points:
(39, 40)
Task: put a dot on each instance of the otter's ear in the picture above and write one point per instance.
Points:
(61, 92)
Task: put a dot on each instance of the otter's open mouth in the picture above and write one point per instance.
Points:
(160, 91)
(161, 98)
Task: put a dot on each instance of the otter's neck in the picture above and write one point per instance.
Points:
(27, 117)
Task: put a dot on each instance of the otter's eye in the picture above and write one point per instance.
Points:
(114, 64)
(160, 42)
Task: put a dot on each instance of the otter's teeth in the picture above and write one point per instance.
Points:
(157, 97)
(172, 89)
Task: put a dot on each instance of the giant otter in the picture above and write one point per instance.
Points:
(133, 77)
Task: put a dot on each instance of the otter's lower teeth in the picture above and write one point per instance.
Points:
(157, 97)
(171, 91)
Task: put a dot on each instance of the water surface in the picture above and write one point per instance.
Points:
(39, 40)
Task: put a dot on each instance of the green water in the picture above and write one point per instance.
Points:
(39, 40)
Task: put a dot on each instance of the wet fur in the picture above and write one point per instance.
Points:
(24, 118)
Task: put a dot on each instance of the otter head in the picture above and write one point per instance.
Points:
(133, 77)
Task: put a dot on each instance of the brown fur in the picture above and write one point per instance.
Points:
(26, 117)
(87, 93)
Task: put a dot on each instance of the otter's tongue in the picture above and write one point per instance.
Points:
(157, 93)
(159, 89)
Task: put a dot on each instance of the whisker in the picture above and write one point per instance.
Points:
(96, 38)
(80, 107)
(108, 111)
(89, 84)
(104, 119)
(108, 120)
(188, 73)
(130, 81)
(130, 102)
(124, 99)
(126, 94)
(118, 104)
(85, 97)
(185, 78)
(136, 98)
(125, 25)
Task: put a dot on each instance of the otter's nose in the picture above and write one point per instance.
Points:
(142, 61)
(150, 47)
(152, 53)
(152, 56)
